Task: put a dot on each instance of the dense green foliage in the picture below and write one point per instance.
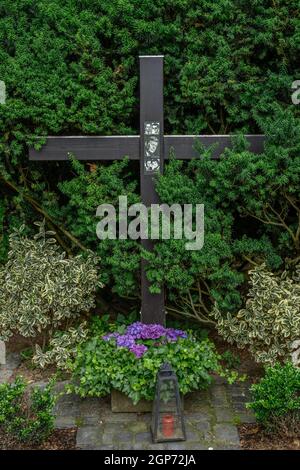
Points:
(71, 67)
(28, 417)
(85, 192)
(252, 209)
(101, 366)
(276, 399)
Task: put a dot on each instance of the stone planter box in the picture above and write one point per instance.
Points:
(120, 403)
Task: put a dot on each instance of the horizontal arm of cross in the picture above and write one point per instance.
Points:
(116, 147)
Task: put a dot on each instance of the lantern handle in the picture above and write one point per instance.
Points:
(166, 367)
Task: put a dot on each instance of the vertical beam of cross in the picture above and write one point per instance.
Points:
(151, 162)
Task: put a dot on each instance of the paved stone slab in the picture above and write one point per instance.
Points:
(240, 395)
(138, 427)
(120, 403)
(210, 422)
(89, 437)
(143, 437)
(227, 433)
(219, 396)
(224, 415)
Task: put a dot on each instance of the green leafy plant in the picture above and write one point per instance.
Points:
(100, 365)
(270, 322)
(232, 360)
(27, 414)
(276, 399)
(120, 259)
(62, 347)
(42, 291)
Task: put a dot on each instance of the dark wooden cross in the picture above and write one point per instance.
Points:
(151, 148)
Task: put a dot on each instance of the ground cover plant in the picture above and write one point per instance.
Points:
(27, 415)
(128, 359)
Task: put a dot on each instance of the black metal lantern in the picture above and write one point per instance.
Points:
(167, 416)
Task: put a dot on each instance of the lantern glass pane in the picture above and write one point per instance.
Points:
(167, 418)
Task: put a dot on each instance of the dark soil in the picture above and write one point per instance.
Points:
(248, 366)
(60, 439)
(253, 437)
(27, 369)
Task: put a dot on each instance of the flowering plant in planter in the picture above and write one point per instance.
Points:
(138, 332)
(128, 361)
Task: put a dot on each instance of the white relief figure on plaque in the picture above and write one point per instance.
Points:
(152, 128)
(151, 164)
(151, 146)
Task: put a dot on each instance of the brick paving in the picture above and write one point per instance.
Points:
(211, 418)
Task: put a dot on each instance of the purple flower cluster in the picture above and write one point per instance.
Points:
(140, 331)
(125, 341)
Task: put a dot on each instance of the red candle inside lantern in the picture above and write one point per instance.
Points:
(168, 425)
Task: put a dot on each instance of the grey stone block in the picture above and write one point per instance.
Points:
(158, 446)
(100, 447)
(118, 417)
(199, 417)
(113, 427)
(224, 415)
(203, 428)
(143, 436)
(108, 438)
(90, 407)
(65, 422)
(123, 437)
(227, 433)
(89, 437)
(178, 445)
(120, 403)
(141, 446)
(62, 409)
(197, 447)
(191, 435)
(196, 401)
(219, 396)
(138, 427)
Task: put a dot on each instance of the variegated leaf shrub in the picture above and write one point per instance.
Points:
(269, 324)
(62, 347)
(43, 294)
